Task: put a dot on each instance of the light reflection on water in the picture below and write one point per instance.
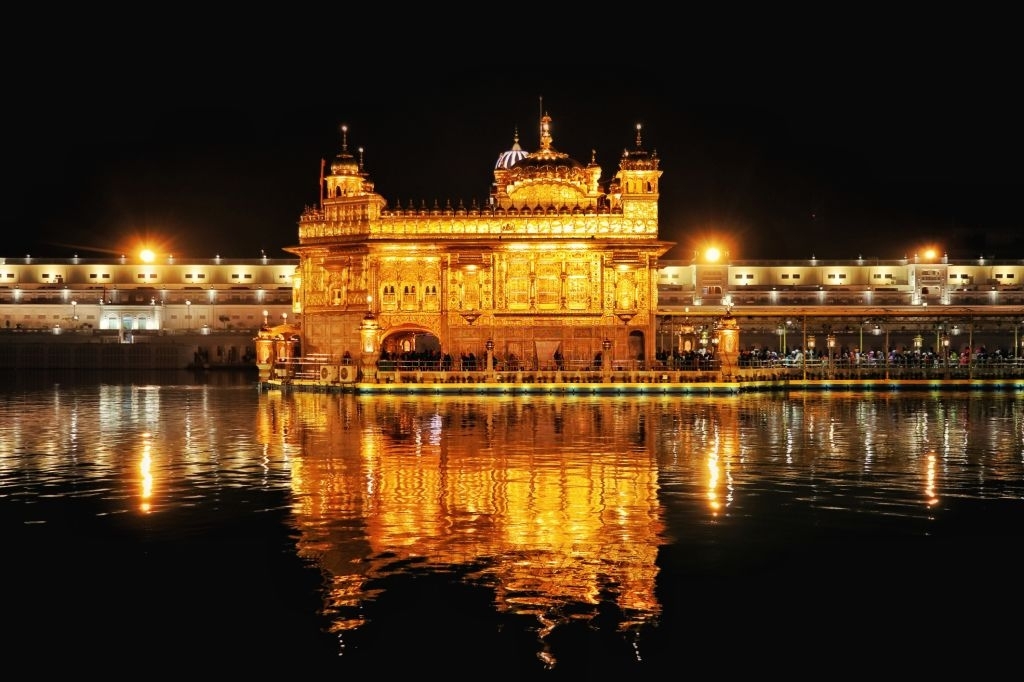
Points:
(603, 511)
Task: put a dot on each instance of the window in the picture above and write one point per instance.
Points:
(409, 297)
(548, 291)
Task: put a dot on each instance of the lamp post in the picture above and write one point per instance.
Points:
(860, 345)
(489, 345)
(606, 358)
(812, 343)
(284, 317)
(831, 341)
(945, 353)
(188, 315)
(715, 340)
(266, 314)
(803, 355)
(886, 353)
(970, 351)
(74, 312)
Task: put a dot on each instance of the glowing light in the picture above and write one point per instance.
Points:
(712, 255)
(147, 256)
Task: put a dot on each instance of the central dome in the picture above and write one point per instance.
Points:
(548, 177)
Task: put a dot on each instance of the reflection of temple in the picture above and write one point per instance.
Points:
(557, 259)
(551, 530)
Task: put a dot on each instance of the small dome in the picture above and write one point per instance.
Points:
(508, 158)
(344, 163)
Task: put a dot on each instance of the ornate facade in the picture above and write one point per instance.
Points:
(556, 259)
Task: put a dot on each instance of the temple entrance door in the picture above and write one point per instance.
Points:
(636, 349)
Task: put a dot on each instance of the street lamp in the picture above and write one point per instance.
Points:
(284, 317)
(74, 311)
(489, 345)
(188, 315)
(266, 314)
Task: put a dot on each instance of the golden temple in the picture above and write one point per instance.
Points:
(559, 264)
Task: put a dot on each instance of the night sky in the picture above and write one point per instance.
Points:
(786, 159)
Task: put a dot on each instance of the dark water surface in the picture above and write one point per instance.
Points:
(182, 523)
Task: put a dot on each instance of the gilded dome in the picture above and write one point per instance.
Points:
(546, 161)
(344, 163)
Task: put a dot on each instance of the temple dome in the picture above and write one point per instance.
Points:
(509, 158)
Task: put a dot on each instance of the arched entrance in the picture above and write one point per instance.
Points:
(411, 347)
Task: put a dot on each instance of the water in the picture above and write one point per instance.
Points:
(190, 523)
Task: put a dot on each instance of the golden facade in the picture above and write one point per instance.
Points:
(557, 259)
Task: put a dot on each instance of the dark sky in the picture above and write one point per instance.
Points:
(788, 159)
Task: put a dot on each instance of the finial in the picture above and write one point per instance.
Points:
(545, 132)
